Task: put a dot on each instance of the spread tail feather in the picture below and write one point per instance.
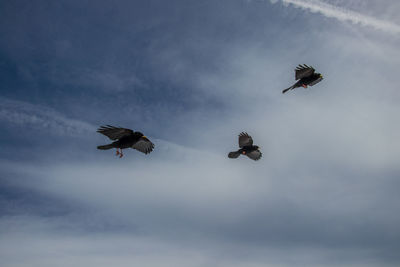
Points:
(105, 147)
(234, 155)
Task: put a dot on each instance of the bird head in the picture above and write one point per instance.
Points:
(320, 75)
(142, 136)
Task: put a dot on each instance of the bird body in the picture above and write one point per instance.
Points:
(243, 151)
(128, 140)
(306, 76)
(125, 138)
(246, 148)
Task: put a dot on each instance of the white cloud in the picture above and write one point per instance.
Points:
(40, 117)
(38, 242)
(322, 195)
(343, 14)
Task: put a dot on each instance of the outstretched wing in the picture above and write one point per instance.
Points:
(303, 71)
(114, 133)
(144, 145)
(255, 155)
(233, 155)
(245, 140)
(316, 81)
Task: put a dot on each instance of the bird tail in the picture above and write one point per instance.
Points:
(234, 155)
(105, 147)
(287, 89)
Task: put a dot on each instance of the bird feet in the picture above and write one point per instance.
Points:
(119, 153)
(304, 85)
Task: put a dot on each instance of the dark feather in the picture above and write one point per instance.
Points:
(245, 140)
(105, 147)
(287, 89)
(315, 81)
(144, 145)
(114, 133)
(255, 154)
(234, 155)
(303, 71)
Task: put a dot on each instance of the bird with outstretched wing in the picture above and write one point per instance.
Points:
(246, 147)
(125, 138)
(306, 76)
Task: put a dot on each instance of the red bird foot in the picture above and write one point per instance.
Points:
(304, 85)
(119, 153)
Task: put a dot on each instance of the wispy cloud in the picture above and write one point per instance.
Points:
(40, 117)
(322, 195)
(343, 14)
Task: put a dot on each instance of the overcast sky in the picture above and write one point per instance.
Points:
(192, 75)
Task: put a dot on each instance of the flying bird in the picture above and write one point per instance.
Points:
(125, 138)
(246, 148)
(306, 76)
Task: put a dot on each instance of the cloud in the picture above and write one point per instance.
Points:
(37, 242)
(322, 195)
(39, 117)
(343, 14)
(235, 213)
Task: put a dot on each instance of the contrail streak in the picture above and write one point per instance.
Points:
(343, 14)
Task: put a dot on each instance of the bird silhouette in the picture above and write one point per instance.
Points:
(306, 76)
(125, 138)
(246, 148)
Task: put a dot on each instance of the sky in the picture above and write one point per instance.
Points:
(191, 75)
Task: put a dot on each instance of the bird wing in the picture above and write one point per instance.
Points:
(255, 155)
(316, 81)
(114, 133)
(302, 71)
(234, 154)
(245, 140)
(144, 145)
